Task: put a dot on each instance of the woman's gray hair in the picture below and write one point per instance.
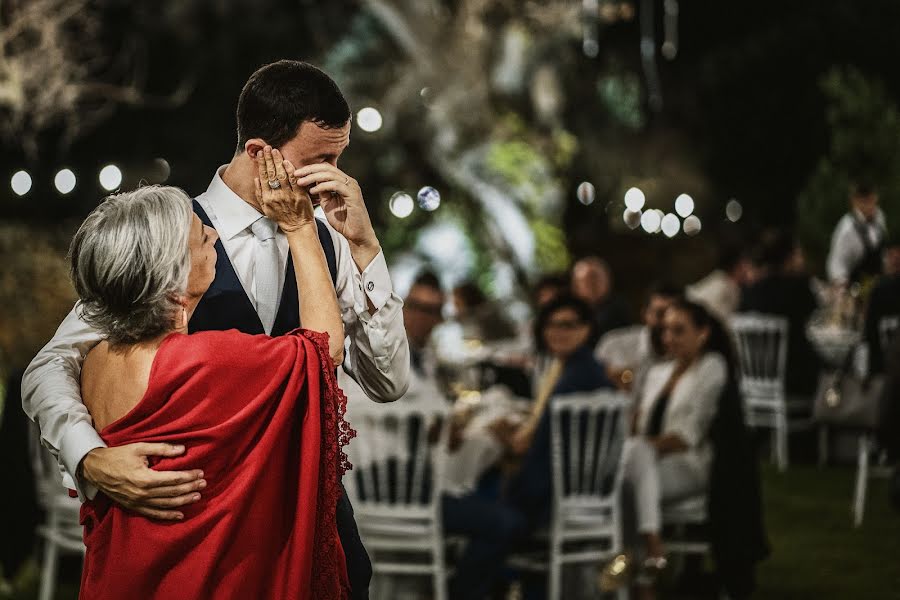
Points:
(130, 260)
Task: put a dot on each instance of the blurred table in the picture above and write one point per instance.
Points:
(833, 342)
(479, 450)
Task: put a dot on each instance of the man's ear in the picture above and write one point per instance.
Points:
(254, 145)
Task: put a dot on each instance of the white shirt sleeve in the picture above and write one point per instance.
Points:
(378, 354)
(709, 381)
(846, 250)
(51, 396)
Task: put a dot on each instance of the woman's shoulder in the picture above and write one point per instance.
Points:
(712, 364)
(229, 348)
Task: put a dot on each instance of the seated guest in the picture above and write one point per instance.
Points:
(720, 291)
(670, 454)
(488, 525)
(629, 351)
(263, 414)
(784, 288)
(480, 318)
(592, 282)
(549, 287)
(566, 332)
(884, 301)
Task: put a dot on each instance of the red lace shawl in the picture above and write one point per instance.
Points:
(264, 419)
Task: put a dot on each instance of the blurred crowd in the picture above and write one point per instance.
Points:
(676, 362)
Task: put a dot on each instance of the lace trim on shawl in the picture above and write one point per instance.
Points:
(327, 580)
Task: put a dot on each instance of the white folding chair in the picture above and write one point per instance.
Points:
(680, 515)
(887, 332)
(61, 532)
(587, 435)
(762, 346)
(395, 488)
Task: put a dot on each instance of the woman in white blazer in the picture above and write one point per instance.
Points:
(669, 455)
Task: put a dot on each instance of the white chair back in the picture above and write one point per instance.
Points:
(887, 331)
(397, 468)
(762, 345)
(588, 431)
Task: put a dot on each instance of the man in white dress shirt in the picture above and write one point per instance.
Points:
(295, 107)
(858, 239)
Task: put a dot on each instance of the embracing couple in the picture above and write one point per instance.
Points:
(190, 395)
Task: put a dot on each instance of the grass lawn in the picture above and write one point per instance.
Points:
(816, 552)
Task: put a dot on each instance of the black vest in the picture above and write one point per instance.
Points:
(225, 304)
(870, 263)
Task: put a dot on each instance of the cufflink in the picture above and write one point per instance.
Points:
(370, 286)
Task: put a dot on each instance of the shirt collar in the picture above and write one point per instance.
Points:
(233, 215)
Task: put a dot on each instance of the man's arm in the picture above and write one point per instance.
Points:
(51, 396)
(842, 254)
(378, 354)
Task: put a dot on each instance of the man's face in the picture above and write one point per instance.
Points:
(314, 144)
(422, 312)
(892, 261)
(867, 205)
(656, 310)
(654, 314)
(590, 282)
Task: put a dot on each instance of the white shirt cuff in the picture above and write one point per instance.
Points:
(375, 281)
(79, 439)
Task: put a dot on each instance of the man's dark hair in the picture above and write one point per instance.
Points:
(428, 279)
(862, 188)
(582, 309)
(281, 96)
(470, 294)
(666, 289)
(731, 253)
(774, 249)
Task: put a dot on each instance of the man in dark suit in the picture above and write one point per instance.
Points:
(298, 109)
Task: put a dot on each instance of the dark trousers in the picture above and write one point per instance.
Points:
(359, 568)
(491, 528)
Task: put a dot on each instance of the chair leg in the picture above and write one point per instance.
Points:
(862, 478)
(781, 428)
(555, 577)
(51, 556)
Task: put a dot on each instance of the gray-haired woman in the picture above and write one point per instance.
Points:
(264, 415)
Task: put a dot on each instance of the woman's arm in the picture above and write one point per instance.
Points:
(290, 206)
(318, 302)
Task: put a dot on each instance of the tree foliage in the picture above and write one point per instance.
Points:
(864, 143)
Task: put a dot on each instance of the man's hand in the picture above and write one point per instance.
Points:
(341, 198)
(123, 473)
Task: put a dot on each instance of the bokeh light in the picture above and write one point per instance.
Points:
(586, 192)
(692, 225)
(429, 198)
(650, 221)
(634, 199)
(20, 183)
(110, 177)
(65, 181)
(401, 205)
(369, 119)
(670, 225)
(632, 218)
(684, 205)
(734, 210)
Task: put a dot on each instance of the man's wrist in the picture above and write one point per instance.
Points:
(364, 253)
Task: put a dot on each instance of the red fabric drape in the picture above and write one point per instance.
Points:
(263, 418)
